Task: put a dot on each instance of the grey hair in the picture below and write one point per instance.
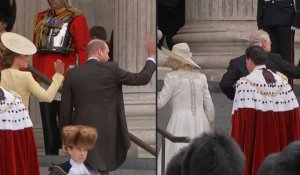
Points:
(94, 45)
(258, 37)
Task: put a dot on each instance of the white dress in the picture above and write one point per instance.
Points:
(192, 108)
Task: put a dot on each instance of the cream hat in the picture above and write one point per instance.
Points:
(181, 52)
(18, 44)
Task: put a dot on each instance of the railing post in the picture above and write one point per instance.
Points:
(163, 156)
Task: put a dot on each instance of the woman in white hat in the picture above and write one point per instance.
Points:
(18, 151)
(16, 57)
(187, 90)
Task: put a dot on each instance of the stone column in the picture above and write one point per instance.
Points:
(134, 21)
(217, 30)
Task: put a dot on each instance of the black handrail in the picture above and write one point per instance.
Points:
(172, 138)
(133, 138)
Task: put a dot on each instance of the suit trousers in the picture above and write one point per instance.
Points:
(50, 115)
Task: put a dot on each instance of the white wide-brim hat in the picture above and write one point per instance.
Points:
(181, 52)
(18, 43)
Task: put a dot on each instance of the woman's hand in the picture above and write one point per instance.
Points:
(59, 66)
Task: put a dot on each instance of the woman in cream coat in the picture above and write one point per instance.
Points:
(16, 57)
(187, 90)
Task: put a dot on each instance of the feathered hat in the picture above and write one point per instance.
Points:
(8, 13)
(79, 135)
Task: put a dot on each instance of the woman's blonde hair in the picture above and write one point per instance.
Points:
(176, 64)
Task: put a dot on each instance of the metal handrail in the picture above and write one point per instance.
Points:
(172, 138)
(133, 138)
(142, 144)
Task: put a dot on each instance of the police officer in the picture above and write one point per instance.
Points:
(280, 18)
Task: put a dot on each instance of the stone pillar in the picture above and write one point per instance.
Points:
(217, 30)
(134, 21)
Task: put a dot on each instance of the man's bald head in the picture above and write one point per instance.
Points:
(94, 45)
(98, 48)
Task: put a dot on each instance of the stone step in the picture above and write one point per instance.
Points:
(132, 166)
(44, 171)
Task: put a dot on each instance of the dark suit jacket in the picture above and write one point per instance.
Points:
(278, 13)
(95, 91)
(237, 69)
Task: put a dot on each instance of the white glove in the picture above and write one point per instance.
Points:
(294, 28)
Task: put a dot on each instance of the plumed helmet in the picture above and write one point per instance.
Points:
(8, 13)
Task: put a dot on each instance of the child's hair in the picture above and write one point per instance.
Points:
(79, 136)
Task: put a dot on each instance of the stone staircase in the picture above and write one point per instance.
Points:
(132, 166)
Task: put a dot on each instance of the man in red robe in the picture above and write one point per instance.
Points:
(60, 32)
(265, 114)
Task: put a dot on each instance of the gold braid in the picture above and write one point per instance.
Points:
(39, 28)
(259, 90)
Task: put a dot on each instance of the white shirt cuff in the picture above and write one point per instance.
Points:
(151, 59)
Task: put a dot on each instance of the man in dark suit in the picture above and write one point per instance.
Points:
(95, 91)
(237, 66)
(280, 18)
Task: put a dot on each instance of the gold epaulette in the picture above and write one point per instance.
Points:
(75, 11)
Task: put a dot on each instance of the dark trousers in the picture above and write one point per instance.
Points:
(282, 38)
(169, 21)
(49, 113)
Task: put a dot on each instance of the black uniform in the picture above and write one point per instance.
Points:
(276, 17)
(170, 18)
